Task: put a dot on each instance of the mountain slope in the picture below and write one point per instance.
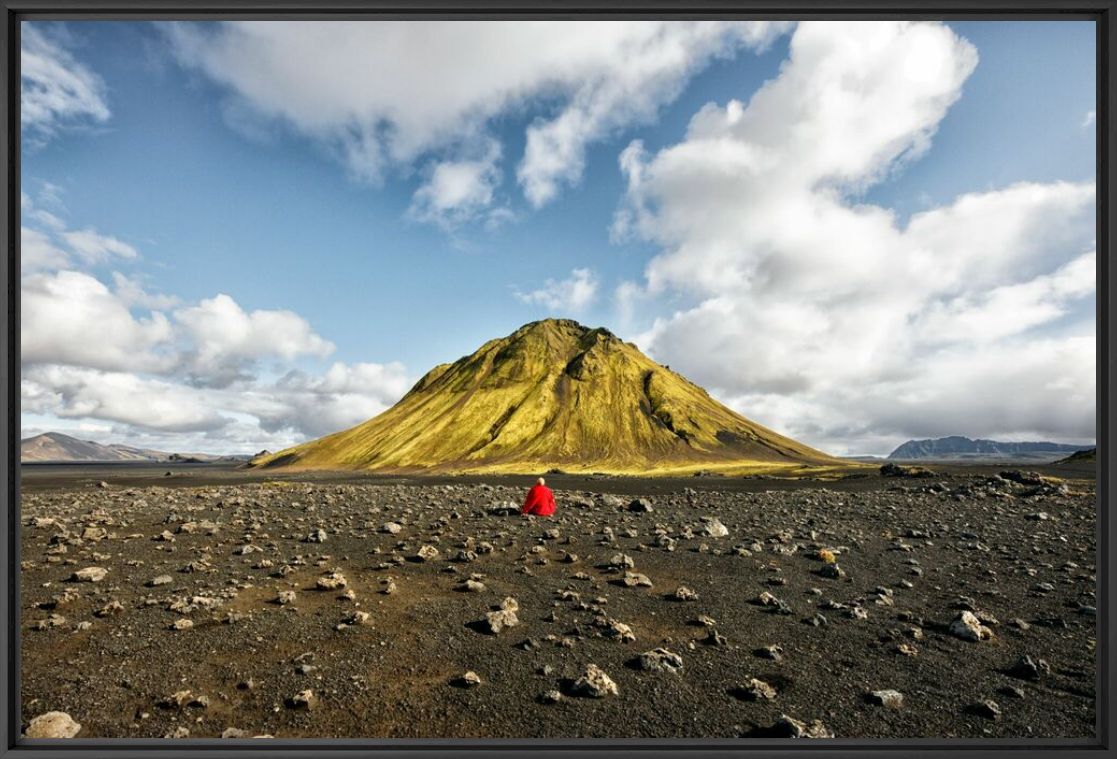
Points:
(553, 394)
(56, 447)
(957, 447)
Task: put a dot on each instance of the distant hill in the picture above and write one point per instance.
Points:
(958, 448)
(1090, 454)
(58, 448)
(554, 394)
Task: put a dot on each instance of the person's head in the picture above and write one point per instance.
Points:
(540, 481)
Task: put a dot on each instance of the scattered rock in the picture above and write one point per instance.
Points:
(426, 553)
(789, 727)
(89, 574)
(967, 627)
(594, 683)
(468, 680)
(889, 699)
(660, 660)
(53, 725)
(303, 700)
(755, 690)
(987, 709)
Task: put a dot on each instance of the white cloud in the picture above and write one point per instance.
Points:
(569, 295)
(80, 392)
(224, 340)
(262, 414)
(826, 317)
(341, 84)
(456, 191)
(344, 396)
(72, 318)
(94, 247)
(1090, 119)
(187, 378)
(56, 90)
(133, 294)
(38, 253)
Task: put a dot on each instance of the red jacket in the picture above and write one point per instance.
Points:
(540, 501)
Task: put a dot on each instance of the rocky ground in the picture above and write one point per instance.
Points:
(951, 605)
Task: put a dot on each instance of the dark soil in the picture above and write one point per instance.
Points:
(915, 553)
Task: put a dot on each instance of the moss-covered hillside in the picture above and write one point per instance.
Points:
(554, 394)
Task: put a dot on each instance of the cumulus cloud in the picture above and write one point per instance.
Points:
(456, 191)
(56, 90)
(569, 295)
(343, 396)
(1090, 119)
(72, 318)
(197, 377)
(81, 392)
(830, 318)
(38, 253)
(341, 84)
(224, 340)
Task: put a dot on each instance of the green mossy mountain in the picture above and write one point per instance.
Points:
(554, 394)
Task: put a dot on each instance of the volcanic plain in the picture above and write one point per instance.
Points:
(206, 601)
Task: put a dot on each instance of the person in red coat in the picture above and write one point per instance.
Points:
(540, 500)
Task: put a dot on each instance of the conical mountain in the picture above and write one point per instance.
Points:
(554, 394)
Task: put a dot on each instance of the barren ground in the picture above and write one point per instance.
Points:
(915, 553)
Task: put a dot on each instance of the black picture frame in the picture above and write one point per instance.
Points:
(1103, 12)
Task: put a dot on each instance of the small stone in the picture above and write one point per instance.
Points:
(636, 580)
(714, 528)
(472, 586)
(594, 683)
(392, 528)
(775, 653)
(907, 649)
(332, 581)
(683, 593)
(495, 621)
(89, 574)
(317, 536)
(1027, 668)
(468, 680)
(660, 660)
(889, 699)
(426, 553)
(550, 697)
(714, 638)
(831, 571)
(967, 627)
(358, 618)
(53, 725)
(988, 709)
(182, 624)
(303, 700)
(286, 597)
(755, 690)
(640, 506)
(788, 727)
(160, 580)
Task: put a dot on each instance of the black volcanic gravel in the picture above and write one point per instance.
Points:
(914, 555)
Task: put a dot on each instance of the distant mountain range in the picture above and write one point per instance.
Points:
(56, 447)
(956, 448)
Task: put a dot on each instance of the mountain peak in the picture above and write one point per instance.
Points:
(554, 393)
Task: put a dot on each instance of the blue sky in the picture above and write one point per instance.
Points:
(221, 173)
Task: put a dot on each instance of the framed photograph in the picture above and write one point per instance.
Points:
(394, 379)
